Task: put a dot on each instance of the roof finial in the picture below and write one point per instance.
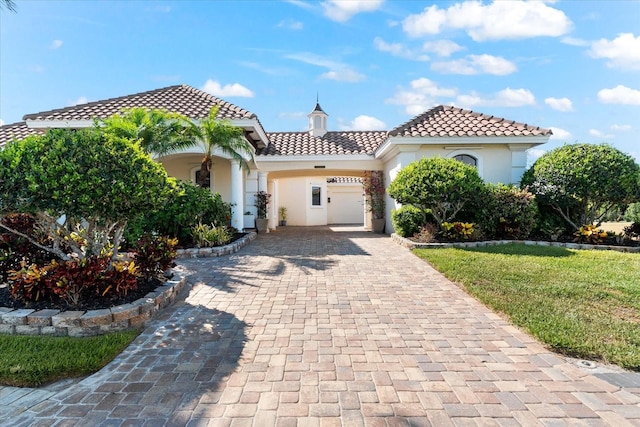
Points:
(317, 97)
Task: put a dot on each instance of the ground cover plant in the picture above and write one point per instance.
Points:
(27, 361)
(580, 303)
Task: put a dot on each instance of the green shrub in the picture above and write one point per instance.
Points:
(632, 214)
(154, 254)
(206, 236)
(584, 182)
(632, 231)
(508, 212)
(188, 205)
(442, 186)
(407, 220)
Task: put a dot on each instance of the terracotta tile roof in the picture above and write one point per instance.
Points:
(17, 130)
(303, 144)
(443, 121)
(183, 99)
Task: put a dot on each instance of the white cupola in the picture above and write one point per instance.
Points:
(317, 121)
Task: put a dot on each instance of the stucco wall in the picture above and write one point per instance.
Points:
(183, 168)
(292, 195)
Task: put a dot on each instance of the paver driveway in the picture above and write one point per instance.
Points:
(332, 327)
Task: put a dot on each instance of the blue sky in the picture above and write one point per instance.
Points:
(573, 66)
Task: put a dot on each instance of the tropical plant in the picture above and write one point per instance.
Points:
(590, 234)
(457, 230)
(208, 235)
(9, 4)
(373, 185)
(215, 134)
(159, 132)
(154, 254)
(282, 210)
(82, 187)
(583, 182)
(262, 204)
(436, 185)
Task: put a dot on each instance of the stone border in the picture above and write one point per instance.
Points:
(134, 315)
(53, 322)
(410, 244)
(218, 250)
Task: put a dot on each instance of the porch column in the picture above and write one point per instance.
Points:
(237, 199)
(262, 181)
(275, 216)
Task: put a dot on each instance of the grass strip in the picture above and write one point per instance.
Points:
(31, 361)
(581, 303)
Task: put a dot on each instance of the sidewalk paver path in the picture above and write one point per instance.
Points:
(331, 327)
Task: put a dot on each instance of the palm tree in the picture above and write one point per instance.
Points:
(9, 4)
(159, 131)
(221, 134)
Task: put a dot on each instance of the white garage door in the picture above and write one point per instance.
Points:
(345, 206)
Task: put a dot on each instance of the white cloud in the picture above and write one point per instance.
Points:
(534, 154)
(476, 64)
(399, 50)
(505, 98)
(622, 52)
(621, 128)
(559, 104)
(421, 97)
(343, 10)
(337, 70)
(80, 100)
(496, 21)
(363, 122)
(442, 47)
(619, 95)
(1, 122)
(573, 41)
(596, 133)
(236, 89)
(56, 44)
(560, 134)
(290, 24)
(344, 75)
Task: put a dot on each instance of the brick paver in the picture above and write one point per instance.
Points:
(328, 326)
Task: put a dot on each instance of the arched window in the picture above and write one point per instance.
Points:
(467, 159)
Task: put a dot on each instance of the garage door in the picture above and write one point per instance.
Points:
(345, 206)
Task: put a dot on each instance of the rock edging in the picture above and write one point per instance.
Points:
(52, 322)
(410, 244)
(218, 250)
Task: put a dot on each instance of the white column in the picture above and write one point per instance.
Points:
(275, 204)
(237, 199)
(262, 181)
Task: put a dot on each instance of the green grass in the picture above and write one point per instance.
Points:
(581, 303)
(30, 361)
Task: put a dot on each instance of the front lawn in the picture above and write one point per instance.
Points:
(29, 361)
(581, 303)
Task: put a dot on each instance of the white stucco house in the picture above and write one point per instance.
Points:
(314, 174)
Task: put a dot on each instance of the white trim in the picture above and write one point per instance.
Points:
(56, 124)
(321, 205)
(252, 123)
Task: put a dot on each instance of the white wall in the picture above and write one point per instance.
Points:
(316, 215)
(292, 195)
